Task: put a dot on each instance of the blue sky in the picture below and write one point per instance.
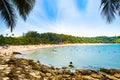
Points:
(73, 17)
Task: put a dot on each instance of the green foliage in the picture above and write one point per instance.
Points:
(109, 9)
(32, 34)
(33, 37)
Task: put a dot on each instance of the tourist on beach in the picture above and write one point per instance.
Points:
(71, 65)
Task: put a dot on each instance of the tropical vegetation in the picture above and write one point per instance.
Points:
(33, 37)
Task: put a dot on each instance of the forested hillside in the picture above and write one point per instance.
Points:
(33, 37)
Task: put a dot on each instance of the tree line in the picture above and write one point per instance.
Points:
(33, 37)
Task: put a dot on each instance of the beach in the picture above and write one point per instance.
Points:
(12, 68)
(20, 48)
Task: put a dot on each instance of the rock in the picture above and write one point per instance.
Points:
(87, 78)
(7, 70)
(15, 53)
(85, 72)
(78, 71)
(98, 76)
(34, 75)
(52, 67)
(23, 69)
(42, 74)
(113, 71)
(60, 72)
(5, 78)
(59, 77)
(112, 78)
(104, 70)
(66, 76)
(45, 78)
(37, 73)
(48, 74)
(64, 67)
(117, 75)
(109, 71)
(73, 78)
(3, 67)
(77, 77)
(66, 72)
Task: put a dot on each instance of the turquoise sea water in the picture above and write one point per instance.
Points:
(82, 56)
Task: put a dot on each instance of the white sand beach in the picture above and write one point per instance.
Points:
(21, 48)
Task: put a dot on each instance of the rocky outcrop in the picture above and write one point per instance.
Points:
(23, 69)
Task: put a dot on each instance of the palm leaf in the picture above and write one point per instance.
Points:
(24, 7)
(108, 9)
(7, 13)
(118, 7)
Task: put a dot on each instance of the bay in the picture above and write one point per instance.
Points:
(82, 56)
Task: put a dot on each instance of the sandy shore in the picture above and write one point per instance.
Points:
(23, 69)
(21, 48)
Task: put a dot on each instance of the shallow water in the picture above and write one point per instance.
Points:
(82, 56)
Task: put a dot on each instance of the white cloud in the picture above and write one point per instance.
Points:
(69, 20)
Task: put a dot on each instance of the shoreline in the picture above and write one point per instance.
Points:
(21, 48)
(19, 68)
(24, 69)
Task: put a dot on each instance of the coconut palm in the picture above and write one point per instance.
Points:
(8, 10)
(109, 9)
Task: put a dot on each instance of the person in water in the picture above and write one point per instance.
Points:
(71, 65)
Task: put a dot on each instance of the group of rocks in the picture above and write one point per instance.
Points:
(24, 69)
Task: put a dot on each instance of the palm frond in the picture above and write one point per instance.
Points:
(24, 7)
(108, 9)
(7, 13)
(118, 7)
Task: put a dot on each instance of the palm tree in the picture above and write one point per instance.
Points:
(109, 9)
(8, 11)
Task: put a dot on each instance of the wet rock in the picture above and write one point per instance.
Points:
(15, 53)
(109, 71)
(52, 67)
(86, 72)
(23, 69)
(67, 72)
(113, 71)
(78, 71)
(64, 67)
